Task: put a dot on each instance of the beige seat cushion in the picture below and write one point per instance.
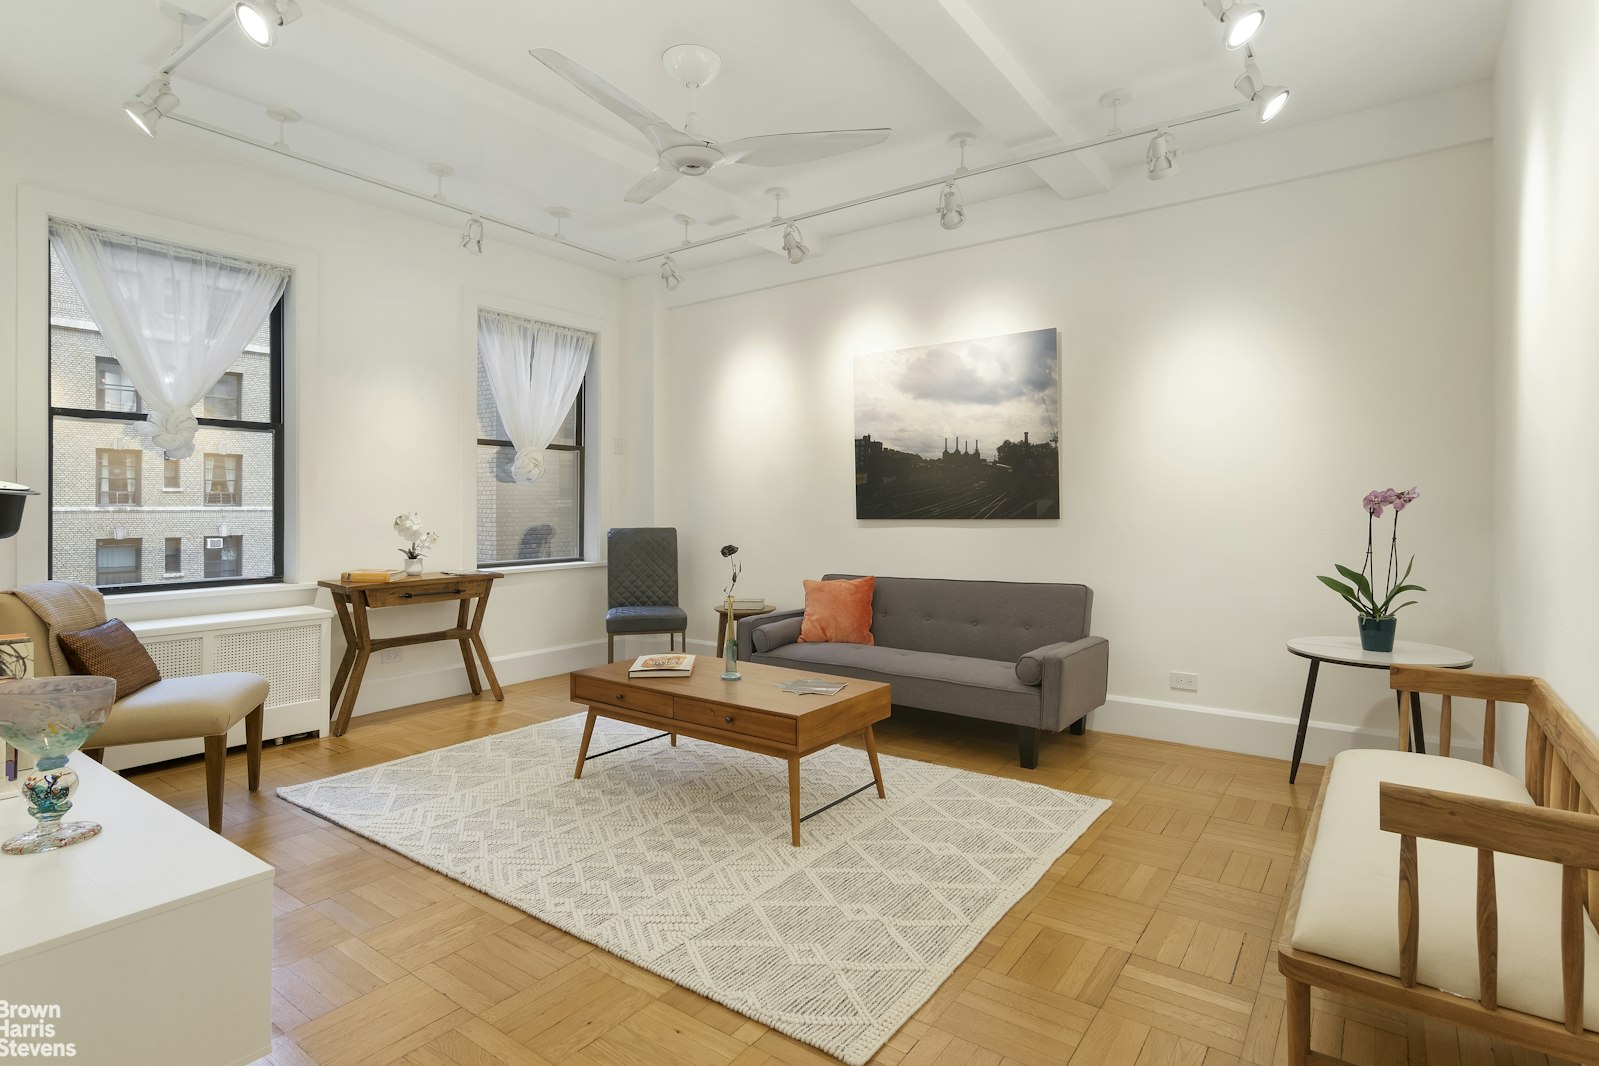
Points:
(178, 707)
(1349, 909)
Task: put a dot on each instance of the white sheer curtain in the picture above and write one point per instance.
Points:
(534, 370)
(175, 318)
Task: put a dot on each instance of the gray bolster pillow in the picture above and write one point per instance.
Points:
(777, 634)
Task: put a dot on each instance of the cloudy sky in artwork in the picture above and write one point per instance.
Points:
(987, 391)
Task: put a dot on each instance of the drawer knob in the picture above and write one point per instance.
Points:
(728, 719)
(620, 697)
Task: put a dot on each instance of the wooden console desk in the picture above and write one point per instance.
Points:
(352, 601)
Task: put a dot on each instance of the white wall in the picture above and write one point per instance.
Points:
(1237, 373)
(381, 365)
(1547, 153)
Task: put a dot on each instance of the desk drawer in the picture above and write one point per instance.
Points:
(401, 595)
(587, 690)
(773, 727)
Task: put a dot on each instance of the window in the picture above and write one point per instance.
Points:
(222, 480)
(97, 462)
(116, 562)
(113, 389)
(223, 557)
(223, 399)
(518, 523)
(119, 477)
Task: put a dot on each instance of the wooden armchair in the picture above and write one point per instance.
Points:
(1463, 864)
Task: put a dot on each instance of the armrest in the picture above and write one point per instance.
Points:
(748, 626)
(1073, 676)
(1566, 837)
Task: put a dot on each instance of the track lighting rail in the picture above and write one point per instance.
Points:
(783, 222)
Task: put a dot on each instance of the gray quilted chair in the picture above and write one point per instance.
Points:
(641, 592)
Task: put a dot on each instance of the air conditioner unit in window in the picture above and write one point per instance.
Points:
(213, 542)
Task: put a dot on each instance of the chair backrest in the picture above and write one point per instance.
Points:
(641, 567)
(15, 617)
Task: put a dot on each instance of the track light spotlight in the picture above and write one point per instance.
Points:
(669, 275)
(149, 106)
(794, 244)
(951, 209)
(1269, 100)
(1161, 158)
(261, 19)
(1239, 22)
(472, 236)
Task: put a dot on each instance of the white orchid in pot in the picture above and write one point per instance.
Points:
(420, 542)
(1376, 617)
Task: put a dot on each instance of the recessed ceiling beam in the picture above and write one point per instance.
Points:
(950, 41)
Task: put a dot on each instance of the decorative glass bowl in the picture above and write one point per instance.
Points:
(50, 718)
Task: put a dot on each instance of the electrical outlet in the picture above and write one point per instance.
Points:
(393, 655)
(1184, 682)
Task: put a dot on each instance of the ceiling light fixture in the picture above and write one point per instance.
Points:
(1115, 99)
(560, 214)
(794, 244)
(472, 236)
(1239, 22)
(669, 275)
(261, 19)
(440, 171)
(685, 222)
(951, 211)
(1269, 100)
(153, 102)
(1161, 158)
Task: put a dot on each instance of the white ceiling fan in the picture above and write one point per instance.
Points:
(682, 153)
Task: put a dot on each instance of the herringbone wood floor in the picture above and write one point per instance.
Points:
(1150, 942)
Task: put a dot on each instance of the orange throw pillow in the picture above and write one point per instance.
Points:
(839, 612)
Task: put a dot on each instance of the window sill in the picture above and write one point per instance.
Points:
(540, 568)
(156, 598)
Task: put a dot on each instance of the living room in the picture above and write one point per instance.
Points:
(1384, 286)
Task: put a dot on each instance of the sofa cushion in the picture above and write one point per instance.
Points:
(646, 620)
(776, 634)
(984, 619)
(110, 649)
(838, 612)
(175, 708)
(1349, 907)
(975, 688)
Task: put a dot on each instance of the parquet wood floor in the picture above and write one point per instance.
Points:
(1149, 943)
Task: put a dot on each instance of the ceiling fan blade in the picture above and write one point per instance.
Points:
(656, 181)
(782, 149)
(661, 133)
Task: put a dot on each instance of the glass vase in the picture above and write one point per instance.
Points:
(49, 718)
(730, 646)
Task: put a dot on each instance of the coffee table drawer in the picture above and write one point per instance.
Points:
(585, 690)
(735, 720)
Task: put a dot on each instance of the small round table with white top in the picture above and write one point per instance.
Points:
(1346, 651)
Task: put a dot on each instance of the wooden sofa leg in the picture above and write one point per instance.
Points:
(216, 760)
(1027, 738)
(253, 726)
(1078, 727)
(610, 647)
(1298, 1022)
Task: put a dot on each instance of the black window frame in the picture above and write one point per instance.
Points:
(274, 426)
(137, 544)
(580, 435)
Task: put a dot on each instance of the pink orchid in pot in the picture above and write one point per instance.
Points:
(1376, 617)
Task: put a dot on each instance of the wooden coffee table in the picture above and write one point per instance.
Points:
(752, 714)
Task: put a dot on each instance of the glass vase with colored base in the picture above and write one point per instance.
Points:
(730, 647)
(49, 718)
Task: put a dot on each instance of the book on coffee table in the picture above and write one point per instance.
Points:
(662, 666)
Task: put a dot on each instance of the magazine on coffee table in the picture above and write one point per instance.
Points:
(812, 686)
(662, 666)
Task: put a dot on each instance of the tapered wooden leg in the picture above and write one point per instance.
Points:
(1298, 1022)
(351, 691)
(674, 740)
(216, 759)
(1078, 727)
(488, 668)
(253, 724)
(610, 647)
(1027, 742)
(583, 751)
(793, 797)
(877, 771)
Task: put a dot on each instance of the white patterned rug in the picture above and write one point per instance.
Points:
(678, 859)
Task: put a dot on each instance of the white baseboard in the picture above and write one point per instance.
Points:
(391, 690)
(1245, 732)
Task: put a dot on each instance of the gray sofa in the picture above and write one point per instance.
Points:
(1015, 652)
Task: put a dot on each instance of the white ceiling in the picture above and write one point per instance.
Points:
(387, 86)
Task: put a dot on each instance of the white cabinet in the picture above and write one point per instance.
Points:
(149, 945)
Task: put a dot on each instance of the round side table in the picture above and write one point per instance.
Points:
(738, 612)
(1346, 651)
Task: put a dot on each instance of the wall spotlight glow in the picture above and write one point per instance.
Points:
(1269, 100)
(150, 105)
(261, 19)
(1239, 22)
